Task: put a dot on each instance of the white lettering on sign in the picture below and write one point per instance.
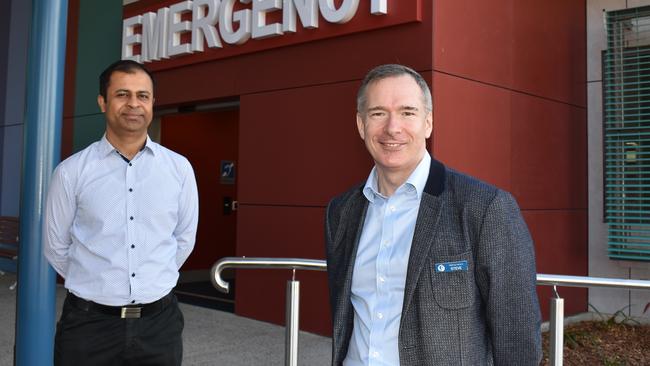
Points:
(260, 29)
(378, 7)
(307, 11)
(177, 27)
(341, 15)
(154, 41)
(204, 15)
(226, 18)
(130, 38)
(214, 21)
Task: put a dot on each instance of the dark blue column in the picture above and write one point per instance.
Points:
(44, 108)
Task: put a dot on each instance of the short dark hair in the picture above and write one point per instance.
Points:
(127, 66)
(392, 70)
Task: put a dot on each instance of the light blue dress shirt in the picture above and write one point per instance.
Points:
(118, 231)
(380, 269)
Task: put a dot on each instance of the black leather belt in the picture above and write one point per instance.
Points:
(127, 311)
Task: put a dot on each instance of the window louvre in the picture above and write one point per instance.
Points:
(626, 127)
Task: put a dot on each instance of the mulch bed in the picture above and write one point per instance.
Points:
(604, 343)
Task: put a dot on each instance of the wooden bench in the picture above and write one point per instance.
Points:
(9, 229)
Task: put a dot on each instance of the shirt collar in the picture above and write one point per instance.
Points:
(106, 148)
(417, 179)
(150, 146)
(370, 190)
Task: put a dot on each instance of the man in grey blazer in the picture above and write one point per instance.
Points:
(426, 266)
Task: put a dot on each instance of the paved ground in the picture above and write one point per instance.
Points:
(211, 337)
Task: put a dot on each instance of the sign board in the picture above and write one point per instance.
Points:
(227, 175)
(171, 33)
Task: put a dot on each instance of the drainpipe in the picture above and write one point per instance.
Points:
(36, 300)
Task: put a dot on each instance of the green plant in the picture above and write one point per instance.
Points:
(571, 340)
(613, 319)
(579, 338)
(613, 361)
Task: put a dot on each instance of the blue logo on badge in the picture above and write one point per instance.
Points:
(451, 266)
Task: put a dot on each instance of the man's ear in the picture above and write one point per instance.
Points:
(429, 122)
(360, 126)
(102, 103)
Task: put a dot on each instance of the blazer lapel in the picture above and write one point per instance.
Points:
(347, 240)
(425, 229)
(355, 220)
(423, 238)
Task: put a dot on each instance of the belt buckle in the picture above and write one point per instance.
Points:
(131, 312)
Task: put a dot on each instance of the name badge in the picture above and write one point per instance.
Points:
(451, 266)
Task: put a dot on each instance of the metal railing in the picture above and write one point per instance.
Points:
(556, 321)
(293, 291)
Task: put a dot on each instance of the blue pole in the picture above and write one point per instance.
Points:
(35, 318)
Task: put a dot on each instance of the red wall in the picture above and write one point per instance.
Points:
(509, 107)
(205, 139)
(298, 147)
(69, 79)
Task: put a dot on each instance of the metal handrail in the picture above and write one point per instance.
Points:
(581, 281)
(293, 291)
(261, 263)
(291, 351)
(320, 265)
(556, 321)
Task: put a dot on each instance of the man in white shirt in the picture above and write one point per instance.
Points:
(120, 220)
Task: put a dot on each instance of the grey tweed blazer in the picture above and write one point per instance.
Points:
(488, 315)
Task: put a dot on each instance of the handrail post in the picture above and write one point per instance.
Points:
(556, 329)
(292, 319)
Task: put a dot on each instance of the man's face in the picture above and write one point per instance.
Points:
(128, 107)
(395, 124)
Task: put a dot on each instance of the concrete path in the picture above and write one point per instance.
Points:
(211, 337)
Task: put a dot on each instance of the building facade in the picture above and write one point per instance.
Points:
(15, 20)
(605, 236)
(517, 92)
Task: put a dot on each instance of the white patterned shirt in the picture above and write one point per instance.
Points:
(116, 230)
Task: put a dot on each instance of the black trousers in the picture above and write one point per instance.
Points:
(93, 338)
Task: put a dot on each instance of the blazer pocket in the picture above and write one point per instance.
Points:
(453, 287)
